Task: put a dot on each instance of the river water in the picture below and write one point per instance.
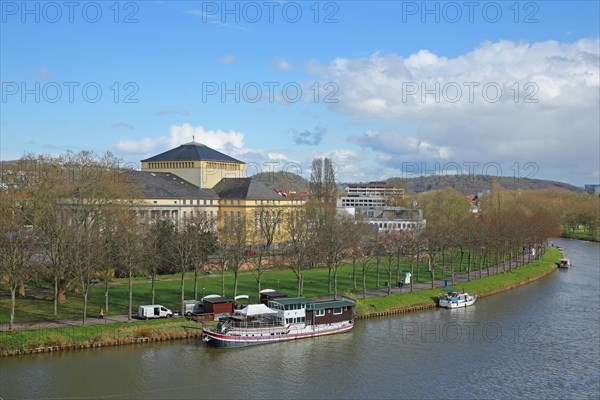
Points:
(538, 341)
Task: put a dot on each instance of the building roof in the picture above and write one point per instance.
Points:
(244, 188)
(165, 185)
(193, 151)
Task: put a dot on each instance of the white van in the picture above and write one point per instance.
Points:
(154, 311)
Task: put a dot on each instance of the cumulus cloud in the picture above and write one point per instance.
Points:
(281, 64)
(180, 134)
(307, 137)
(503, 101)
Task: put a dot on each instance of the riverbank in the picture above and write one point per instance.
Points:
(485, 286)
(116, 334)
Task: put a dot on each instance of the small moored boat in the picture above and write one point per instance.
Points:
(456, 299)
(564, 263)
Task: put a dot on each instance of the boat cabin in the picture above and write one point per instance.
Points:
(327, 312)
(313, 312)
(270, 294)
(217, 305)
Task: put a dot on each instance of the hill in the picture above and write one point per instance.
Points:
(284, 181)
(470, 184)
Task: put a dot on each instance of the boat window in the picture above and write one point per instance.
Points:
(320, 313)
(337, 310)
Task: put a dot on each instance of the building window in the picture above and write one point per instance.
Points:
(320, 313)
(337, 311)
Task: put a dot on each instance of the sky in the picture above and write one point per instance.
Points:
(383, 88)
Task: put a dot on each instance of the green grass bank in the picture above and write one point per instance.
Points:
(423, 299)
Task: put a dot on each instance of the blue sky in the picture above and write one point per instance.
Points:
(383, 88)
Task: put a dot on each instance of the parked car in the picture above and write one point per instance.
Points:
(94, 281)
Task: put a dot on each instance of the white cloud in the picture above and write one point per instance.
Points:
(546, 112)
(281, 64)
(180, 134)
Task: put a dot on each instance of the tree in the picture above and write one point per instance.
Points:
(16, 246)
(299, 250)
(193, 242)
(322, 180)
(267, 226)
(160, 236)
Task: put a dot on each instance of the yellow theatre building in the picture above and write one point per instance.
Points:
(195, 178)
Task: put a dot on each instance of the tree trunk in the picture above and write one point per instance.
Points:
(329, 279)
(196, 283)
(153, 287)
(364, 279)
(235, 282)
(85, 302)
(55, 305)
(182, 307)
(21, 289)
(354, 275)
(335, 272)
(223, 281)
(13, 303)
(106, 296)
(130, 283)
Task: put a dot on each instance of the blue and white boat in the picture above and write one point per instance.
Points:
(456, 300)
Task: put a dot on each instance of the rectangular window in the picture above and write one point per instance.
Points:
(320, 313)
(337, 311)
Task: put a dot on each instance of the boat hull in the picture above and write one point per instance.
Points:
(456, 304)
(257, 337)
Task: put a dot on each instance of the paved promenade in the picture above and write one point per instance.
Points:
(438, 283)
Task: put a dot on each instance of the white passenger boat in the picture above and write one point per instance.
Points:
(456, 300)
(283, 319)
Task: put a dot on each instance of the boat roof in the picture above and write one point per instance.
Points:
(292, 300)
(330, 304)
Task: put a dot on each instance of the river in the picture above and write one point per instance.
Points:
(537, 341)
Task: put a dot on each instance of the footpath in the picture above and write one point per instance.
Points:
(438, 283)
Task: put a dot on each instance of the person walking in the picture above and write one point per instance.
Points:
(101, 313)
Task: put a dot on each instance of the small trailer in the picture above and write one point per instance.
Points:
(154, 311)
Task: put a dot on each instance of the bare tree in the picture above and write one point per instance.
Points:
(16, 246)
(266, 227)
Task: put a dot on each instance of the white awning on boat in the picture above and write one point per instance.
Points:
(255, 309)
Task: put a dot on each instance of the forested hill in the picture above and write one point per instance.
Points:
(471, 184)
(467, 184)
(283, 181)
